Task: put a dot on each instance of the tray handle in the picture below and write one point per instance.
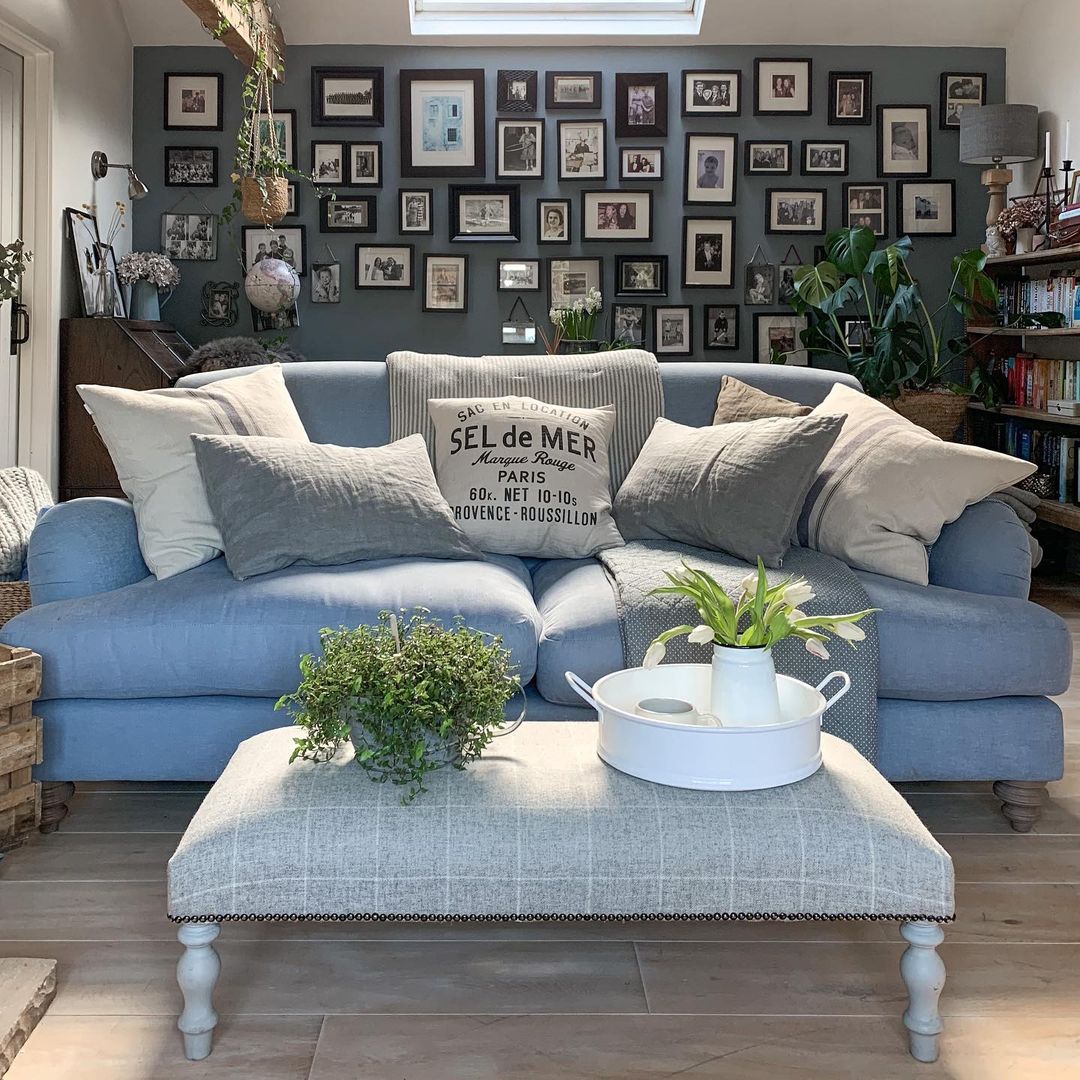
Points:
(842, 675)
(582, 688)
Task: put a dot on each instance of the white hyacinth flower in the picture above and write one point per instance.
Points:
(798, 592)
(654, 654)
(815, 648)
(701, 635)
(849, 631)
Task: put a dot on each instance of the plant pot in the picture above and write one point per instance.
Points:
(743, 691)
(264, 200)
(939, 411)
(441, 752)
(145, 303)
(572, 346)
(1025, 240)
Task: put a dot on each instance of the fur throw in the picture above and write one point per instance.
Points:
(234, 352)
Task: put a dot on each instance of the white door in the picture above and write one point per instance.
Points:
(11, 84)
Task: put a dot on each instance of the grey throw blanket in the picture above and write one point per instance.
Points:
(628, 379)
(23, 493)
(639, 567)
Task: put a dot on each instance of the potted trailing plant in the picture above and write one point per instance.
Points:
(574, 326)
(148, 273)
(14, 259)
(412, 695)
(743, 632)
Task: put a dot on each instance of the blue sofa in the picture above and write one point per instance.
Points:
(160, 680)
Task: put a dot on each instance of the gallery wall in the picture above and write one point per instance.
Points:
(366, 325)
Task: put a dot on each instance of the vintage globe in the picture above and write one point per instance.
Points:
(272, 285)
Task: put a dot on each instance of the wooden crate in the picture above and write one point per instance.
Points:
(20, 745)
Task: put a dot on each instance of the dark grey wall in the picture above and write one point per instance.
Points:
(368, 325)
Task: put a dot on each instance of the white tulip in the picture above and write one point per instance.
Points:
(654, 654)
(749, 583)
(849, 631)
(795, 614)
(701, 635)
(815, 648)
(798, 592)
(683, 576)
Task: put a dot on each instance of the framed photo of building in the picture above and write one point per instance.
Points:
(519, 149)
(641, 105)
(710, 169)
(446, 283)
(283, 133)
(768, 158)
(553, 221)
(519, 275)
(926, 207)
(328, 163)
(616, 215)
(903, 140)
(783, 86)
(779, 335)
(385, 266)
(191, 237)
(347, 96)
(641, 163)
(284, 242)
(711, 93)
(191, 166)
(825, 158)
(673, 330)
(721, 326)
(571, 279)
(960, 90)
(415, 211)
(795, 210)
(326, 283)
(193, 100)
(850, 97)
(708, 252)
(485, 212)
(641, 275)
(442, 122)
(628, 323)
(574, 90)
(352, 213)
(365, 164)
(515, 92)
(867, 206)
(582, 146)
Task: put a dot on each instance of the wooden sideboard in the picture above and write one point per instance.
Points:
(108, 352)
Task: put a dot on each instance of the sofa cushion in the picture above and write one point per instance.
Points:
(203, 632)
(739, 401)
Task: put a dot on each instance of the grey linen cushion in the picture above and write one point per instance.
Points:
(735, 487)
(738, 401)
(280, 501)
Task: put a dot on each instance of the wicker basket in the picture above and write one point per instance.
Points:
(14, 599)
(264, 200)
(939, 411)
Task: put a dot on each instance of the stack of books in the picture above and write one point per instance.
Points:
(1035, 381)
(1025, 296)
(1055, 455)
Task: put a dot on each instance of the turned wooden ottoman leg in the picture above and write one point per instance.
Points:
(54, 800)
(1022, 801)
(197, 972)
(923, 972)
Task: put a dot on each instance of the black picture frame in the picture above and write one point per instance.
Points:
(691, 136)
(597, 264)
(408, 168)
(660, 352)
(588, 236)
(248, 230)
(292, 148)
(602, 156)
(640, 177)
(568, 220)
(759, 61)
(264, 321)
(690, 109)
(457, 192)
(727, 265)
(361, 181)
(847, 219)
(866, 117)
(624, 82)
(760, 316)
(499, 287)
(82, 228)
(294, 200)
(944, 97)
(330, 180)
(410, 248)
(463, 309)
(218, 77)
(327, 206)
(403, 228)
(707, 320)
(643, 320)
(319, 117)
(506, 81)
(220, 303)
(923, 175)
(503, 122)
(660, 289)
(595, 100)
(902, 225)
(177, 152)
(804, 157)
(748, 166)
(796, 230)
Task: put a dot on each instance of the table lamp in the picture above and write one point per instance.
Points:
(998, 135)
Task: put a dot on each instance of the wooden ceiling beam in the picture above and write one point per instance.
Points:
(238, 38)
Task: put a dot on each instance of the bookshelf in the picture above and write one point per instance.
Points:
(1064, 515)
(1023, 412)
(1001, 331)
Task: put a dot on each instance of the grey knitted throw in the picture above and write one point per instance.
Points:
(23, 493)
(638, 568)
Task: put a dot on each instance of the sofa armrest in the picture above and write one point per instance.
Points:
(83, 547)
(985, 550)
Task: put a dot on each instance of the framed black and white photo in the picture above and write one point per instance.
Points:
(553, 221)
(571, 279)
(708, 252)
(866, 206)
(825, 158)
(220, 303)
(628, 323)
(783, 86)
(519, 275)
(515, 92)
(721, 326)
(582, 146)
(347, 96)
(926, 207)
(641, 275)
(365, 164)
(795, 210)
(283, 133)
(903, 140)
(768, 158)
(89, 254)
(641, 163)
(385, 266)
(446, 283)
(574, 90)
(350, 213)
(710, 169)
(286, 319)
(191, 166)
(673, 330)
(641, 105)
(785, 280)
(193, 100)
(712, 93)
(960, 90)
(328, 163)
(284, 242)
(519, 149)
(850, 97)
(326, 283)
(780, 335)
(856, 333)
(616, 215)
(414, 211)
(292, 207)
(759, 287)
(189, 236)
(442, 122)
(485, 212)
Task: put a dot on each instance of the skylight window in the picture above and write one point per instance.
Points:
(656, 18)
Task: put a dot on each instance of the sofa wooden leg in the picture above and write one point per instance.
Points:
(54, 800)
(1022, 801)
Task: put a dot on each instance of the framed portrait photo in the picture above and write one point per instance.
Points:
(825, 158)
(350, 213)
(783, 86)
(960, 90)
(616, 215)
(708, 252)
(779, 335)
(385, 266)
(515, 91)
(292, 208)
(347, 96)
(485, 212)
(711, 93)
(519, 275)
(284, 242)
(193, 100)
(582, 147)
(710, 168)
(571, 279)
(446, 283)
(720, 326)
(850, 97)
(641, 105)
(926, 207)
(191, 237)
(415, 211)
(191, 166)
(641, 275)
(795, 210)
(328, 163)
(673, 330)
(220, 303)
(442, 122)
(574, 90)
(641, 163)
(903, 140)
(759, 287)
(768, 158)
(553, 221)
(326, 283)
(867, 206)
(628, 323)
(785, 277)
(519, 149)
(283, 133)
(365, 164)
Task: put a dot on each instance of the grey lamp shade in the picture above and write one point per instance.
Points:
(999, 133)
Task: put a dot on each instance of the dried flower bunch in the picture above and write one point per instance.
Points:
(149, 266)
(1026, 214)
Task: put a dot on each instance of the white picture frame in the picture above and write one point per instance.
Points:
(711, 168)
(519, 149)
(616, 216)
(582, 146)
(708, 252)
(780, 330)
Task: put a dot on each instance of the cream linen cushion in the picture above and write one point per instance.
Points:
(887, 487)
(148, 435)
(739, 401)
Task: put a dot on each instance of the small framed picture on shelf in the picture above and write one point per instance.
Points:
(328, 163)
(825, 158)
(710, 168)
(347, 96)
(192, 237)
(442, 122)
(385, 266)
(795, 210)
(866, 206)
(284, 242)
(414, 211)
(783, 86)
(553, 221)
(641, 163)
(926, 207)
(721, 326)
(354, 213)
(446, 283)
(673, 330)
(485, 212)
(708, 252)
(777, 339)
(519, 148)
(326, 283)
(903, 140)
(641, 275)
(365, 164)
(960, 90)
(191, 166)
(571, 279)
(616, 215)
(193, 100)
(768, 158)
(515, 91)
(641, 105)
(850, 97)
(711, 93)
(628, 323)
(519, 275)
(574, 90)
(582, 148)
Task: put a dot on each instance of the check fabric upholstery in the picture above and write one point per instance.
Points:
(541, 827)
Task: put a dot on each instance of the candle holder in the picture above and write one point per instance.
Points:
(1046, 179)
(1067, 169)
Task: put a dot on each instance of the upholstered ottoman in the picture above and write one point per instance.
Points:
(541, 828)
